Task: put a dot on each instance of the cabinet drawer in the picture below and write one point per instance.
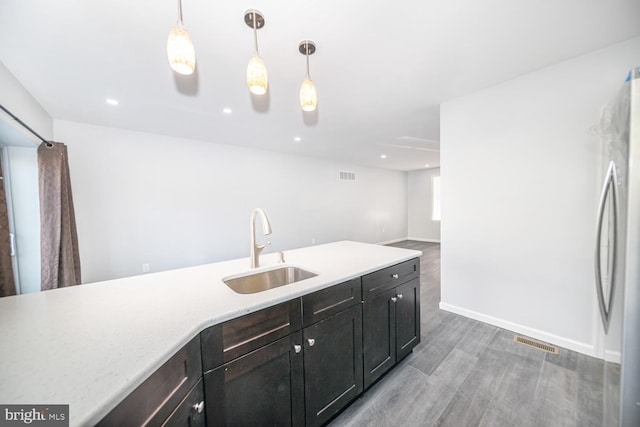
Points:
(229, 340)
(156, 398)
(390, 277)
(327, 302)
(190, 412)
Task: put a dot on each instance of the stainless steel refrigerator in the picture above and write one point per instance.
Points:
(617, 257)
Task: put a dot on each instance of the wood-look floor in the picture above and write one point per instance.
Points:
(468, 373)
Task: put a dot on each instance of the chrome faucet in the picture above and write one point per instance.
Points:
(266, 229)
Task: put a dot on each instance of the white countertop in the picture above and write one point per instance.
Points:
(91, 345)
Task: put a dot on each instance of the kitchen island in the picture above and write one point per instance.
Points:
(89, 346)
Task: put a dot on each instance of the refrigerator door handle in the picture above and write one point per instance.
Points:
(12, 244)
(610, 187)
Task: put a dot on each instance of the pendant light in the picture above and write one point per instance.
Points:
(308, 93)
(180, 51)
(257, 79)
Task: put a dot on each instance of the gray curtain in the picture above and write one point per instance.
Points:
(58, 235)
(7, 284)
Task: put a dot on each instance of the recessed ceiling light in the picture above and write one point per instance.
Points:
(384, 156)
(112, 101)
(227, 110)
(426, 166)
(297, 139)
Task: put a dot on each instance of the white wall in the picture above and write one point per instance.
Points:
(420, 206)
(19, 101)
(173, 202)
(520, 186)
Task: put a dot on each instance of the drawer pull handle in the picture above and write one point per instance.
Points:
(395, 275)
(199, 407)
(394, 299)
(297, 348)
(399, 296)
(311, 342)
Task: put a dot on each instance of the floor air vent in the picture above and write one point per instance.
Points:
(536, 344)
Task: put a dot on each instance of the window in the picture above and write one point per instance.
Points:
(435, 198)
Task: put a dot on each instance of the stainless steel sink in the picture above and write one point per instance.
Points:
(269, 279)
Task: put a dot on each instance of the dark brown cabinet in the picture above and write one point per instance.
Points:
(391, 317)
(302, 379)
(254, 368)
(332, 363)
(262, 388)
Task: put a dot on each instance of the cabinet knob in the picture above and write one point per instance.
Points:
(297, 348)
(199, 407)
(394, 299)
(395, 275)
(399, 296)
(311, 342)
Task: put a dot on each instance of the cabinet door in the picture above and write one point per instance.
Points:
(379, 335)
(190, 412)
(407, 317)
(332, 364)
(262, 388)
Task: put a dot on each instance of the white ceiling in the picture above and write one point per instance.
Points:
(381, 68)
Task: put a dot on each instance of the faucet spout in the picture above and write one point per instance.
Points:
(266, 230)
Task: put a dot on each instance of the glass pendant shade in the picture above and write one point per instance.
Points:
(180, 51)
(257, 78)
(308, 96)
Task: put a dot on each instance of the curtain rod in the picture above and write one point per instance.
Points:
(24, 125)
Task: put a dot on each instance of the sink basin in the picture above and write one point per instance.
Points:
(269, 279)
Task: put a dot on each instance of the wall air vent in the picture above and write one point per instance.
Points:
(347, 176)
(536, 344)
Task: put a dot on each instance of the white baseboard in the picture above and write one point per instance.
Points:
(613, 356)
(520, 329)
(402, 239)
(388, 242)
(420, 239)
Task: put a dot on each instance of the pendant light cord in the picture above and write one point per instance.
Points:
(255, 34)
(306, 49)
(180, 11)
